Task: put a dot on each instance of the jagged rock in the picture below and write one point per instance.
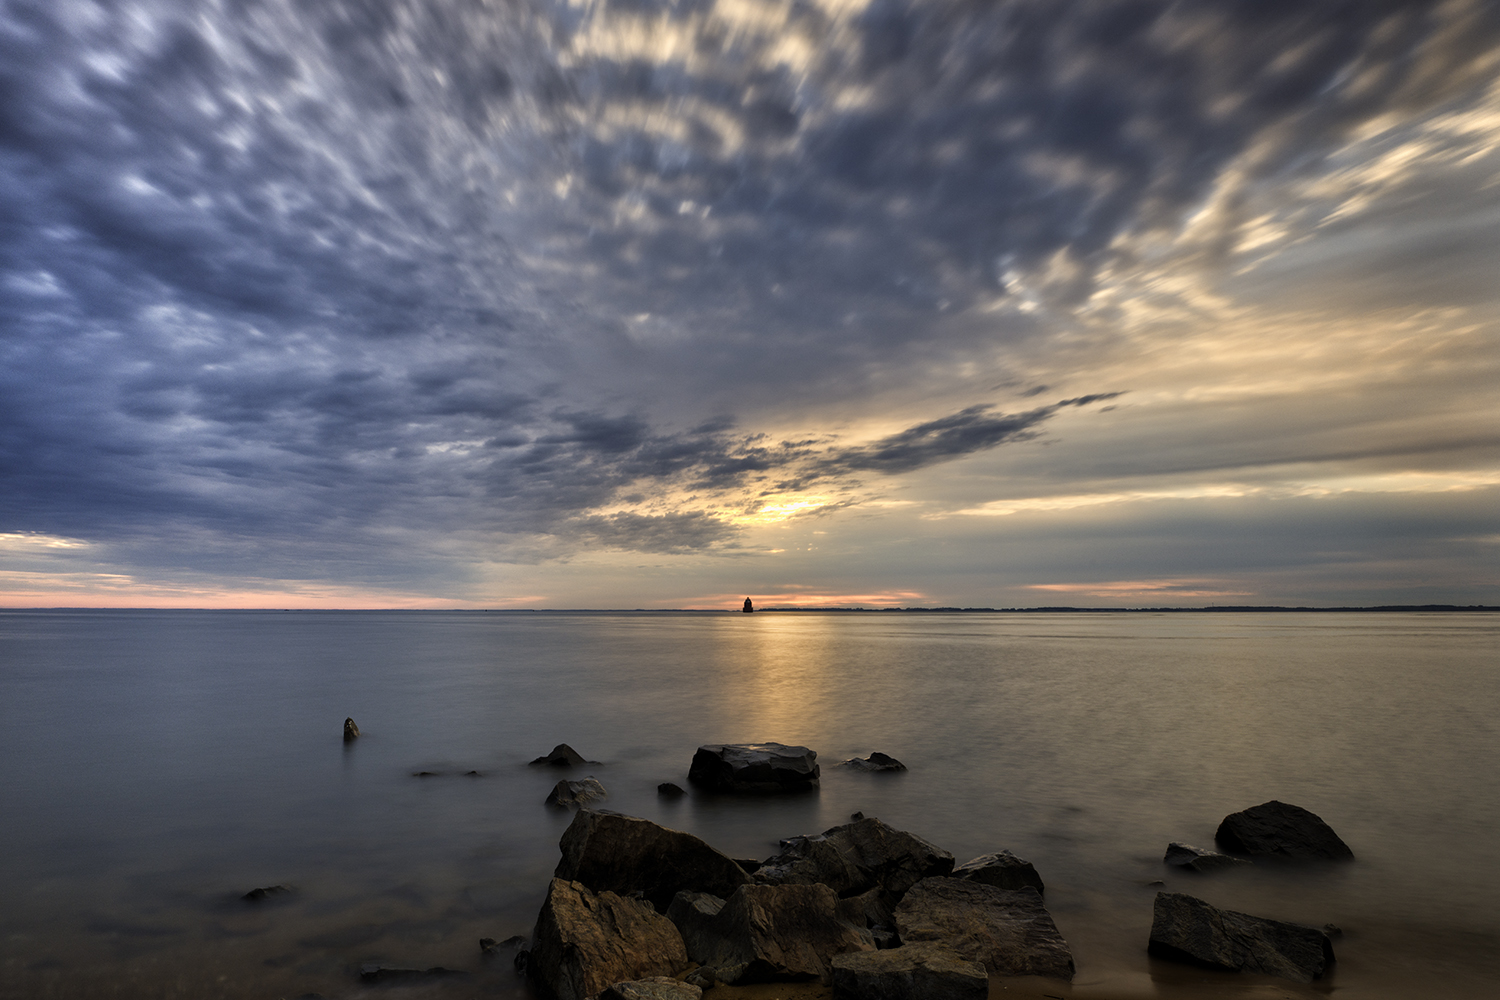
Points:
(912, 972)
(605, 850)
(702, 978)
(1002, 870)
(563, 755)
(754, 768)
(1196, 859)
(875, 762)
(874, 910)
(584, 941)
(750, 865)
(670, 790)
(351, 731)
(489, 946)
(1278, 830)
(655, 988)
(381, 974)
(1009, 931)
(1185, 928)
(575, 793)
(766, 932)
(266, 892)
(855, 858)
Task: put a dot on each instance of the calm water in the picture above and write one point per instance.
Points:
(156, 765)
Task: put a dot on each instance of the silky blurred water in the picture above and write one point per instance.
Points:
(156, 765)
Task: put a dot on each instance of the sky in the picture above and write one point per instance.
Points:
(665, 303)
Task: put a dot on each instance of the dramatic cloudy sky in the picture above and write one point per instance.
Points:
(659, 303)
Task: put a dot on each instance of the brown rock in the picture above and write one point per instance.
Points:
(767, 932)
(1187, 929)
(585, 941)
(855, 858)
(655, 988)
(575, 793)
(1002, 870)
(1009, 931)
(608, 851)
(912, 972)
(1278, 830)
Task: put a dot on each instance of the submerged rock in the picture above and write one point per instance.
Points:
(1009, 931)
(655, 988)
(875, 762)
(585, 941)
(670, 790)
(1196, 859)
(624, 854)
(351, 731)
(1278, 830)
(764, 933)
(563, 755)
(381, 974)
(912, 972)
(575, 793)
(266, 892)
(1002, 870)
(1186, 929)
(855, 858)
(755, 768)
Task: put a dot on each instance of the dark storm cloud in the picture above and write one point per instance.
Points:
(287, 273)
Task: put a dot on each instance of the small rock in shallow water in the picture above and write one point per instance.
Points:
(669, 790)
(875, 762)
(1195, 859)
(575, 793)
(424, 774)
(256, 895)
(351, 731)
(381, 974)
(563, 755)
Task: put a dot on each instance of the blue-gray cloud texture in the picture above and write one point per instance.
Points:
(278, 275)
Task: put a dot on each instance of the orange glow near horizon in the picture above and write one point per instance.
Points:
(1142, 588)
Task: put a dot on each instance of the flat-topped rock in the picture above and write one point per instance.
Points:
(654, 988)
(765, 933)
(925, 971)
(625, 854)
(1279, 830)
(754, 768)
(1003, 870)
(566, 794)
(562, 755)
(586, 941)
(855, 858)
(1186, 929)
(1196, 859)
(1008, 931)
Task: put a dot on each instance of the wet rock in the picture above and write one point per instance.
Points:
(1009, 931)
(855, 858)
(563, 755)
(1002, 870)
(912, 972)
(875, 911)
(670, 790)
(875, 762)
(605, 850)
(566, 794)
(1278, 830)
(351, 731)
(489, 946)
(585, 941)
(1196, 859)
(266, 892)
(1186, 929)
(376, 974)
(655, 988)
(755, 768)
(764, 933)
(856, 816)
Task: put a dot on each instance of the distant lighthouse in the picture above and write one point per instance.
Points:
(748, 608)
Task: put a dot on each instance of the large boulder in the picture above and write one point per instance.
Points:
(562, 755)
(584, 941)
(1196, 859)
(575, 793)
(1002, 870)
(756, 768)
(912, 972)
(1278, 830)
(605, 850)
(1008, 930)
(764, 933)
(655, 988)
(1186, 929)
(855, 858)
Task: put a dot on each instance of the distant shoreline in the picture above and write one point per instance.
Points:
(1234, 608)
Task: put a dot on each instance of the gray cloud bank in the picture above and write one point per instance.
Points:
(280, 277)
